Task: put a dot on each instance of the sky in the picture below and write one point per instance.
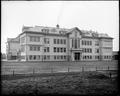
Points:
(100, 16)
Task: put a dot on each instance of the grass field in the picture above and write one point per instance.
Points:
(47, 67)
(80, 83)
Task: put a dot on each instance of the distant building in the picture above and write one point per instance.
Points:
(115, 55)
(41, 43)
(13, 48)
(3, 56)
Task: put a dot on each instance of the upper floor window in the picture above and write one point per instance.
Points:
(46, 49)
(46, 40)
(55, 49)
(96, 50)
(34, 48)
(96, 43)
(59, 41)
(22, 40)
(22, 48)
(45, 30)
(55, 41)
(84, 42)
(35, 38)
(64, 41)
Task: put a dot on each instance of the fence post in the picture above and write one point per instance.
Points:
(33, 70)
(96, 68)
(68, 69)
(51, 70)
(82, 69)
(108, 68)
(13, 73)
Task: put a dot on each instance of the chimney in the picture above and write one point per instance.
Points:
(57, 26)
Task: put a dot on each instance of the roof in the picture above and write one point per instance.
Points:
(64, 31)
(14, 40)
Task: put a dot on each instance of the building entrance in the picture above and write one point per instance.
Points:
(77, 56)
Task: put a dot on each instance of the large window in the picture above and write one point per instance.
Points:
(59, 49)
(59, 41)
(84, 42)
(76, 43)
(34, 48)
(87, 50)
(34, 38)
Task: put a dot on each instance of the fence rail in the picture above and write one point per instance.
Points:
(55, 70)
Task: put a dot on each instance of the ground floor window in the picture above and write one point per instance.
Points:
(107, 57)
(87, 57)
(34, 57)
(60, 57)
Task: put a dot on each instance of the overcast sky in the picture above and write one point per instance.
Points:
(100, 16)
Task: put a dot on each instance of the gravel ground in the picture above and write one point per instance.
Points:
(83, 83)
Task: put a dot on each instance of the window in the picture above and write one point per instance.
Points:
(78, 43)
(54, 49)
(90, 42)
(45, 30)
(96, 50)
(38, 39)
(31, 48)
(87, 42)
(72, 43)
(31, 38)
(90, 50)
(34, 57)
(90, 57)
(35, 38)
(22, 48)
(64, 41)
(38, 57)
(82, 42)
(61, 57)
(75, 43)
(45, 57)
(48, 57)
(46, 49)
(38, 48)
(46, 40)
(64, 57)
(61, 50)
(22, 39)
(61, 41)
(57, 41)
(54, 41)
(30, 57)
(34, 48)
(64, 49)
(96, 43)
(55, 57)
(57, 49)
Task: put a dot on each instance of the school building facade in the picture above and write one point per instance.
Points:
(41, 43)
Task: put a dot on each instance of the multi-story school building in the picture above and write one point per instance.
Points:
(60, 44)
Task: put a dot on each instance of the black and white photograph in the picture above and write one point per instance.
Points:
(59, 48)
